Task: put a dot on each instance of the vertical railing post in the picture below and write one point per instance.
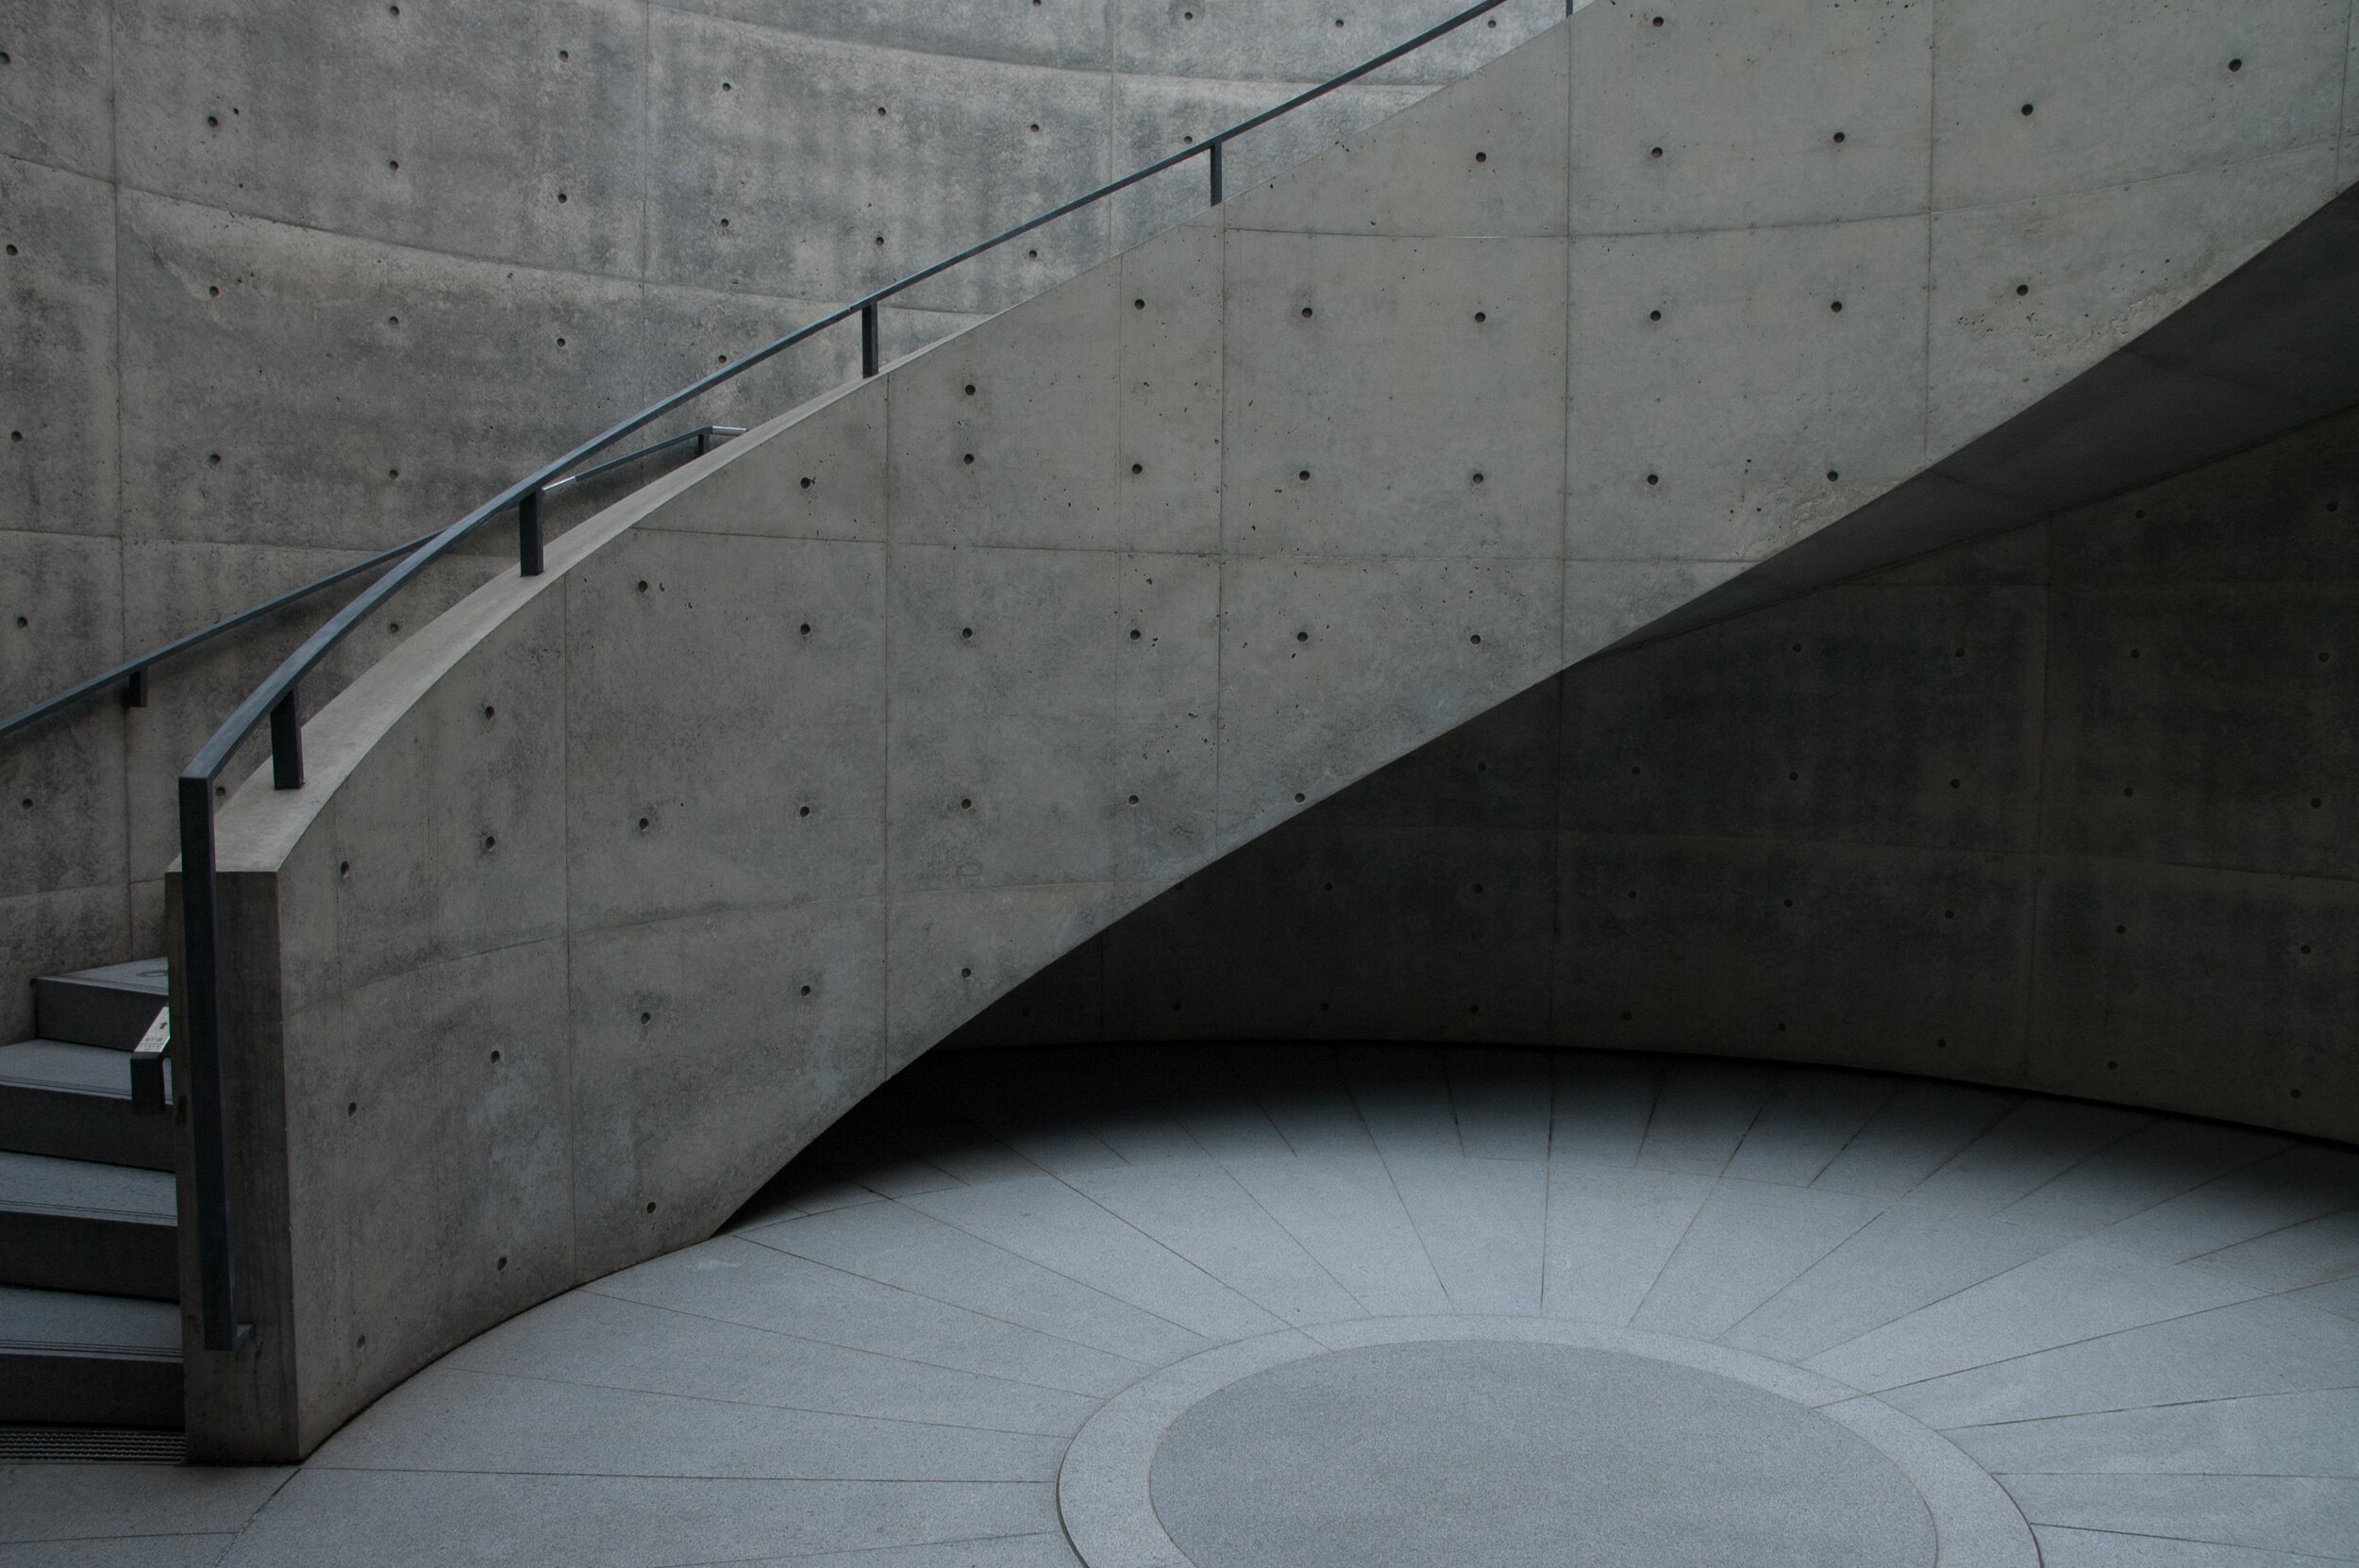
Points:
(704, 440)
(286, 743)
(135, 689)
(529, 533)
(1215, 160)
(208, 1085)
(869, 339)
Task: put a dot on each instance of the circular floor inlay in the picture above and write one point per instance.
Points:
(1480, 1452)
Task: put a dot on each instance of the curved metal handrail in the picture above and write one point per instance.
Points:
(130, 677)
(276, 698)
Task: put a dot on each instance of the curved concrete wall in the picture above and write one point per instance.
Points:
(616, 885)
(288, 283)
(2067, 809)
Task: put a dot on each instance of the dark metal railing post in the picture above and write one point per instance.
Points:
(135, 688)
(868, 339)
(1215, 160)
(208, 1089)
(286, 742)
(529, 533)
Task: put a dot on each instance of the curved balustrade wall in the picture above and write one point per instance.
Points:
(287, 283)
(617, 885)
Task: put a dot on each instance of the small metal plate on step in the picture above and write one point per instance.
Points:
(91, 1445)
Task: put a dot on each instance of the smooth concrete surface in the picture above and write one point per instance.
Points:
(613, 887)
(1475, 1452)
(287, 284)
(2129, 1338)
(2059, 808)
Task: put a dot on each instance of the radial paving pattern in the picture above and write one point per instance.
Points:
(2146, 1329)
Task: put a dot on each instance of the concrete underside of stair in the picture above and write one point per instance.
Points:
(615, 886)
(2062, 809)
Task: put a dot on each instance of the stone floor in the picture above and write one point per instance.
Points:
(1295, 1305)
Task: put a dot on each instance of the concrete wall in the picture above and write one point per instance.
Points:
(288, 282)
(614, 886)
(2067, 808)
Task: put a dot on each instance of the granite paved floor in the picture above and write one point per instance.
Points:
(2147, 1329)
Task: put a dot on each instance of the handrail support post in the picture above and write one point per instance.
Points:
(286, 742)
(135, 689)
(528, 561)
(208, 1087)
(1215, 157)
(868, 355)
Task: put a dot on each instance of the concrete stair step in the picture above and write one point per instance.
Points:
(109, 1006)
(74, 1102)
(70, 1359)
(76, 1225)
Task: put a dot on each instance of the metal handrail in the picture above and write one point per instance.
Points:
(130, 677)
(277, 699)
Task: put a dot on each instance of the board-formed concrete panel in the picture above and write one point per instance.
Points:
(1044, 682)
(1736, 455)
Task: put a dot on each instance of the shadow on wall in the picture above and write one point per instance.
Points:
(2069, 808)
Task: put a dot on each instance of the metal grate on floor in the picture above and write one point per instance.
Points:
(90, 1445)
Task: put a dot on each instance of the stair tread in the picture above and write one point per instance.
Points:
(67, 1323)
(66, 1069)
(40, 1182)
(148, 976)
(109, 1006)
